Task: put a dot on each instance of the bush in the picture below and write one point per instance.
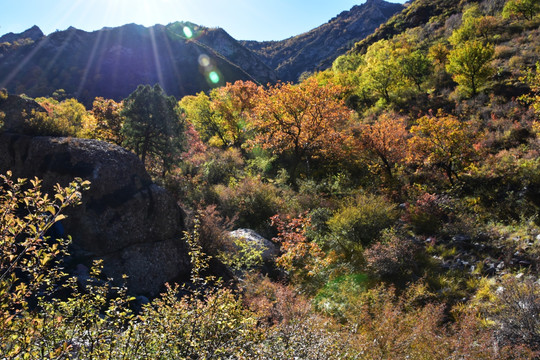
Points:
(29, 261)
(66, 118)
(359, 222)
(518, 304)
(252, 201)
(427, 214)
(223, 166)
(392, 257)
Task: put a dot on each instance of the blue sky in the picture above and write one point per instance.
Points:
(243, 19)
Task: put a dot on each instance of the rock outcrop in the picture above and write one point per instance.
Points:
(132, 224)
(16, 109)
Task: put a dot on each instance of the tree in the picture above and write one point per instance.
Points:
(442, 141)
(152, 125)
(222, 118)
(303, 121)
(521, 8)
(386, 138)
(415, 67)
(234, 103)
(198, 111)
(470, 65)
(109, 120)
(473, 26)
(381, 72)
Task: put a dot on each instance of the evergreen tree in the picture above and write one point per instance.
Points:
(152, 125)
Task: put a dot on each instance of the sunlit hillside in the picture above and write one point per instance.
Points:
(385, 207)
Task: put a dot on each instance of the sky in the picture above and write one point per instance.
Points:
(243, 19)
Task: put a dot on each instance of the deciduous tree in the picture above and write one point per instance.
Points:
(234, 103)
(442, 141)
(109, 120)
(302, 121)
(470, 65)
(381, 72)
(521, 8)
(386, 139)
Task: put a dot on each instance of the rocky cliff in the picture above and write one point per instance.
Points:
(125, 219)
(33, 34)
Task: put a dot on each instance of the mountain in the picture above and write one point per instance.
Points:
(111, 62)
(318, 48)
(33, 34)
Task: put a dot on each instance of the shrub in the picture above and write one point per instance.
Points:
(391, 257)
(359, 222)
(251, 200)
(29, 261)
(223, 166)
(518, 304)
(299, 256)
(427, 214)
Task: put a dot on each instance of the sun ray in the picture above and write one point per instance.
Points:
(89, 64)
(178, 77)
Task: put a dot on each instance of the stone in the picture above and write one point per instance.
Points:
(131, 223)
(15, 107)
(270, 251)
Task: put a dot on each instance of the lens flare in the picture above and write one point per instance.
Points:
(187, 32)
(204, 60)
(214, 77)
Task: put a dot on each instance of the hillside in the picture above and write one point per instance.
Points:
(111, 62)
(317, 48)
(386, 207)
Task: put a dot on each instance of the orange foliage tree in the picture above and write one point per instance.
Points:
(303, 121)
(386, 139)
(442, 141)
(233, 103)
(109, 120)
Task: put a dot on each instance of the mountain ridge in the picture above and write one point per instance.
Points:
(111, 62)
(318, 48)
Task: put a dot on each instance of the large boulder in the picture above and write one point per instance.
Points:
(132, 224)
(16, 109)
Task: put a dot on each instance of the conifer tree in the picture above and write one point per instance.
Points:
(152, 125)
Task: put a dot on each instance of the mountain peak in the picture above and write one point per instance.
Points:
(34, 33)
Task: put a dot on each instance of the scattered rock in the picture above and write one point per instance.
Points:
(270, 251)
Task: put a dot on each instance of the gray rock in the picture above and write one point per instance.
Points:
(14, 107)
(270, 251)
(125, 219)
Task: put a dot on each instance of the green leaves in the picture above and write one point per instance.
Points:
(470, 65)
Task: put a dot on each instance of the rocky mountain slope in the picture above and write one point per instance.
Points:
(421, 13)
(111, 62)
(318, 48)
